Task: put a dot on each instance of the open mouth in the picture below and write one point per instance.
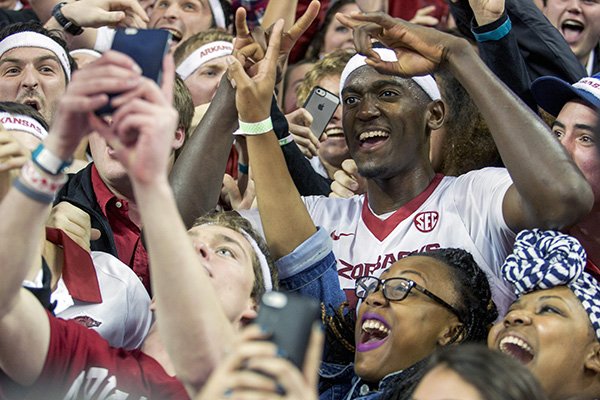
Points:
(373, 333)
(33, 104)
(516, 348)
(372, 138)
(571, 30)
(175, 35)
(334, 132)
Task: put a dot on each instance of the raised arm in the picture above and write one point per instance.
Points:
(548, 190)
(24, 327)
(143, 137)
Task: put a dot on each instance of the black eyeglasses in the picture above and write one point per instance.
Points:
(396, 289)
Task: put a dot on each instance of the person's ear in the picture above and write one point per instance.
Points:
(435, 114)
(179, 138)
(592, 358)
(453, 333)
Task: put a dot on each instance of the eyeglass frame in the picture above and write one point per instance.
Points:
(412, 285)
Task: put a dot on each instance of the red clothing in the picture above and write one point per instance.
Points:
(127, 235)
(80, 364)
(406, 9)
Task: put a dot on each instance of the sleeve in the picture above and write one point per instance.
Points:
(531, 48)
(139, 317)
(311, 270)
(478, 197)
(104, 38)
(307, 180)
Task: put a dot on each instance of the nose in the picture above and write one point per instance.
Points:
(202, 250)
(368, 109)
(376, 299)
(337, 115)
(574, 6)
(517, 317)
(567, 143)
(30, 77)
(172, 12)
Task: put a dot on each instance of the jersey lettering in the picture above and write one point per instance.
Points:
(96, 384)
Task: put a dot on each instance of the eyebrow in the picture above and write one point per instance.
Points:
(577, 126)
(35, 60)
(554, 297)
(377, 85)
(412, 271)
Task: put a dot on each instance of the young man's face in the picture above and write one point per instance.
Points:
(574, 128)
(578, 21)
(32, 76)
(204, 82)
(384, 123)
(183, 18)
(227, 257)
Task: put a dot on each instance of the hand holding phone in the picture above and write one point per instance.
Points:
(289, 318)
(321, 104)
(147, 47)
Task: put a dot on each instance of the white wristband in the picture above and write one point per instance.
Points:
(255, 128)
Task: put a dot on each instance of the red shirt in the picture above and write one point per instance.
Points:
(81, 364)
(127, 235)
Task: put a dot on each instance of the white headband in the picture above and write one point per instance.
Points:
(217, 11)
(34, 39)
(264, 265)
(88, 52)
(202, 55)
(23, 123)
(427, 83)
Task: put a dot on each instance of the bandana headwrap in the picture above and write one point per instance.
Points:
(545, 259)
(218, 14)
(34, 39)
(427, 83)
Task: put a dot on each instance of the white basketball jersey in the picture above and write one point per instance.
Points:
(463, 212)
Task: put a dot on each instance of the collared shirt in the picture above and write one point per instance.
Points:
(127, 235)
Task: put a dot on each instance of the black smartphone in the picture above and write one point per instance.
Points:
(289, 318)
(321, 104)
(147, 47)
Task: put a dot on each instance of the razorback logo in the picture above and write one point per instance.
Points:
(86, 321)
(426, 221)
(335, 236)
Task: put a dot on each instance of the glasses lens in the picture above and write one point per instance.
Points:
(365, 286)
(396, 289)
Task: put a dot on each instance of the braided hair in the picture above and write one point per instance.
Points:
(477, 310)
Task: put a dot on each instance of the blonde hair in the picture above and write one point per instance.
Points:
(332, 64)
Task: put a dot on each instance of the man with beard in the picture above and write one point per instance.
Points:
(35, 67)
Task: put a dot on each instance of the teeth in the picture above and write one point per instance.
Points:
(373, 324)
(572, 24)
(371, 134)
(334, 131)
(516, 341)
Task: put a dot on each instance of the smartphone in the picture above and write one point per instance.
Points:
(289, 318)
(147, 47)
(321, 104)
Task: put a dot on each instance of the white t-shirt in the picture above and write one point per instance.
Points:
(104, 38)
(123, 317)
(463, 212)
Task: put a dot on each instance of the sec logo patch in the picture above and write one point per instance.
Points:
(426, 221)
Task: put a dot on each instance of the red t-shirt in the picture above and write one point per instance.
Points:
(80, 364)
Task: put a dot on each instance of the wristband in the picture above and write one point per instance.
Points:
(286, 140)
(68, 25)
(46, 184)
(32, 194)
(243, 168)
(48, 162)
(255, 128)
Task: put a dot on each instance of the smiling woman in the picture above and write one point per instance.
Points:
(554, 326)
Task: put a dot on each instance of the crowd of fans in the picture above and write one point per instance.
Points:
(446, 219)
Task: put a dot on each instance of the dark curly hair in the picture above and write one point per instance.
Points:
(476, 307)
(34, 26)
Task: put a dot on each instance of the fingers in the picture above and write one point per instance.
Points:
(300, 116)
(236, 73)
(241, 27)
(274, 46)
(73, 221)
(95, 234)
(305, 140)
(383, 20)
(314, 353)
(422, 17)
(344, 185)
(304, 22)
(168, 78)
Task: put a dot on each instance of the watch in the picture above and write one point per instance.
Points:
(68, 25)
